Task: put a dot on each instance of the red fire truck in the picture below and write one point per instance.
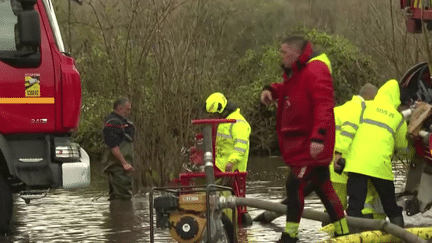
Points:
(40, 102)
(416, 11)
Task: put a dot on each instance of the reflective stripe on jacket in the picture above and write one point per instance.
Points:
(347, 119)
(382, 130)
(232, 143)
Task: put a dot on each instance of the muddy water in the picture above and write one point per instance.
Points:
(85, 215)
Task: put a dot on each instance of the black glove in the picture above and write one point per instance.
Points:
(341, 163)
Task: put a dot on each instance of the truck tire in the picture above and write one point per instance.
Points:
(6, 205)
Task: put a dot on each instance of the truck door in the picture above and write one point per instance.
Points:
(27, 103)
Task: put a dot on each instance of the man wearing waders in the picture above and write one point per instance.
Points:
(382, 129)
(306, 130)
(118, 134)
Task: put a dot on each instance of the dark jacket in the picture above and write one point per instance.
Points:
(117, 131)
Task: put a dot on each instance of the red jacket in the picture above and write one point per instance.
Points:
(305, 110)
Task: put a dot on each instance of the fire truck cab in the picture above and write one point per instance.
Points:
(40, 105)
(415, 11)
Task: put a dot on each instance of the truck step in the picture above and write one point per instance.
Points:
(33, 194)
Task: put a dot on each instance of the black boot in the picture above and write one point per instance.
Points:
(399, 221)
(286, 238)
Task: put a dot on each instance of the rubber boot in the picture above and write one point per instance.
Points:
(286, 238)
(341, 227)
(399, 221)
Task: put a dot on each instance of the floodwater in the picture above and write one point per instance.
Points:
(85, 215)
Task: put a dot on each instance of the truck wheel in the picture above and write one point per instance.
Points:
(6, 205)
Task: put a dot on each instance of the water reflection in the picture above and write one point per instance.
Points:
(62, 215)
(85, 215)
(121, 221)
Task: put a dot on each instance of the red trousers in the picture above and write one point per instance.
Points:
(312, 179)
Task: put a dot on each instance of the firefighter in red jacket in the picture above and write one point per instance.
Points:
(306, 130)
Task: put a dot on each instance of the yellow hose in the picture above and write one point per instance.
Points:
(376, 235)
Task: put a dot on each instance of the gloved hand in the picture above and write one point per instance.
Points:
(339, 165)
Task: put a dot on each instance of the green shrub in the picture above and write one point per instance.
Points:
(351, 69)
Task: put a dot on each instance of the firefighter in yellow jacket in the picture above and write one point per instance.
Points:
(348, 116)
(382, 129)
(232, 141)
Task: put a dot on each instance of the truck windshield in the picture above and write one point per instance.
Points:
(7, 25)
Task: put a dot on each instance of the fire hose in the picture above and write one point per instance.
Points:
(368, 224)
(197, 217)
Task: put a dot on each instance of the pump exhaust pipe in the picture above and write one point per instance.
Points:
(208, 155)
(368, 224)
(214, 231)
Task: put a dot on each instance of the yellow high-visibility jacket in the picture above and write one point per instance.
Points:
(232, 143)
(347, 119)
(382, 130)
